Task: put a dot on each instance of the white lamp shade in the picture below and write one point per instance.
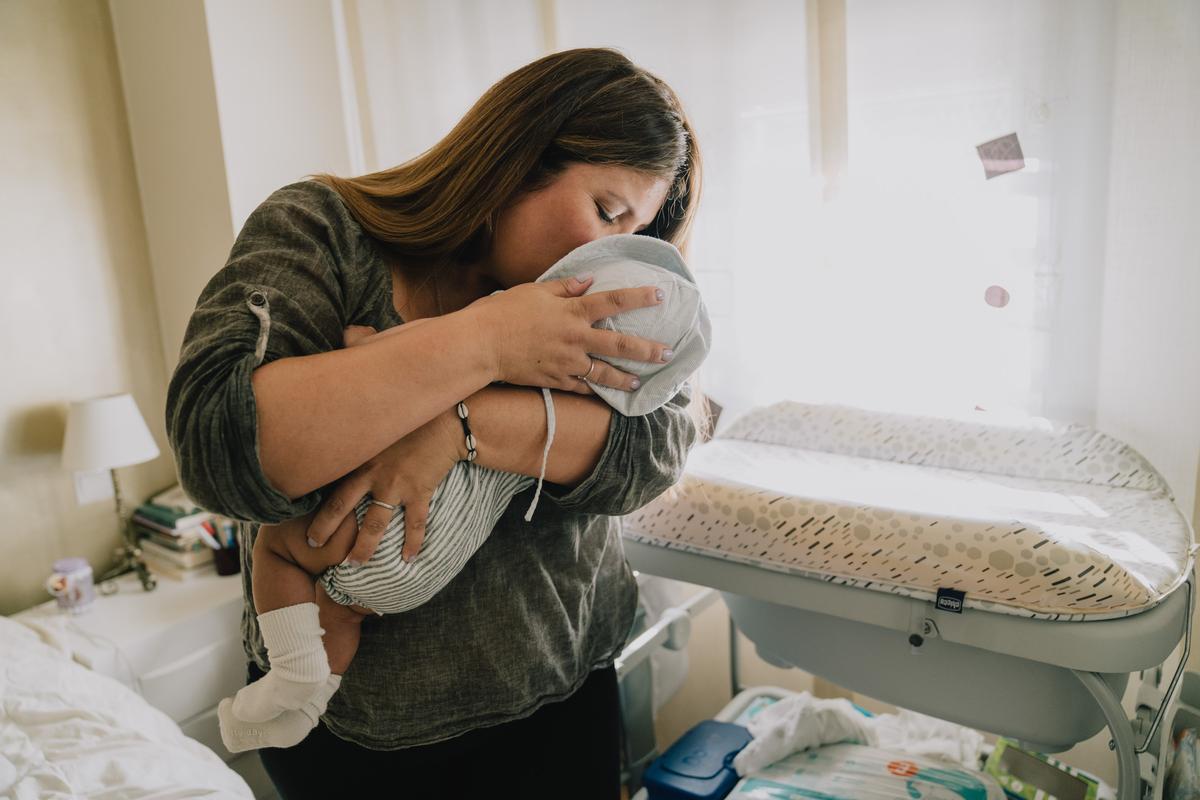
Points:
(106, 433)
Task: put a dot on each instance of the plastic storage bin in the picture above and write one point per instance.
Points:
(700, 765)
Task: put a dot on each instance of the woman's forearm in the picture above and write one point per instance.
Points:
(323, 415)
(509, 425)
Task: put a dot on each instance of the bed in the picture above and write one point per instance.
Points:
(67, 732)
(1005, 575)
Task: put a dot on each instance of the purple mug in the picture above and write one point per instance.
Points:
(71, 585)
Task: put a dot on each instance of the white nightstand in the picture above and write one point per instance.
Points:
(180, 646)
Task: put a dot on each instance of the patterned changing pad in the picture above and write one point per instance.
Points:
(1034, 519)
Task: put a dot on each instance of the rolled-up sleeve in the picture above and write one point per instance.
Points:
(280, 295)
(642, 458)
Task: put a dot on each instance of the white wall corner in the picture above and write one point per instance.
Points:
(227, 102)
(166, 76)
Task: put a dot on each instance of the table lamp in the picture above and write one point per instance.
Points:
(107, 433)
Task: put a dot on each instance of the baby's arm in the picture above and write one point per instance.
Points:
(355, 335)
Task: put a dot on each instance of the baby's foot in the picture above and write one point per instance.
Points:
(299, 665)
(286, 730)
(271, 695)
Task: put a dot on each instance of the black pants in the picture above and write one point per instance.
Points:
(565, 749)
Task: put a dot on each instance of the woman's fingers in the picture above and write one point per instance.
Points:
(570, 287)
(416, 518)
(375, 524)
(338, 507)
(623, 345)
(580, 387)
(605, 374)
(599, 305)
(370, 533)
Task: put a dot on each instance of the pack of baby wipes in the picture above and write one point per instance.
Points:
(857, 772)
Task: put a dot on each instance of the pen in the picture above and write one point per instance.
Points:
(202, 530)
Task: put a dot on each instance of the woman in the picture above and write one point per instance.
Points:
(505, 678)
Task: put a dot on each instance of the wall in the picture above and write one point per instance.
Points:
(77, 310)
(167, 85)
(227, 102)
(143, 135)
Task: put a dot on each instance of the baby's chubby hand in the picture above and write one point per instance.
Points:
(354, 335)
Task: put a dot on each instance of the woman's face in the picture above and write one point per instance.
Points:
(585, 202)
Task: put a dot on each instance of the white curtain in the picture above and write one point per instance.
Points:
(918, 234)
(423, 63)
(872, 294)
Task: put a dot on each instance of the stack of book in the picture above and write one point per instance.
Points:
(177, 537)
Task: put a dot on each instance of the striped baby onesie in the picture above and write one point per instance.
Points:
(465, 507)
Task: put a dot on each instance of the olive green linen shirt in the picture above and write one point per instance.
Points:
(541, 603)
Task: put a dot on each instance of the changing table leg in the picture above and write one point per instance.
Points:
(735, 679)
(1128, 780)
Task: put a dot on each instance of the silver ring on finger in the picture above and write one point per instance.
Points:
(388, 506)
(591, 361)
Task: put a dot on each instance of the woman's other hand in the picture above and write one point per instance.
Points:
(405, 474)
(541, 334)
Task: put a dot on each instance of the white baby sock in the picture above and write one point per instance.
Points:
(286, 730)
(299, 666)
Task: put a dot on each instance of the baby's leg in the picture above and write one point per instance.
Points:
(289, 620)
(343, 628)
(262, 714)
(278, 580)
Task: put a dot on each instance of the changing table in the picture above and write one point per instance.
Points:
(1008, 577)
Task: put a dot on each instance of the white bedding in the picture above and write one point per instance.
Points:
(68, 732)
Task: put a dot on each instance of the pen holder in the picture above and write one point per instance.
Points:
(228, 560)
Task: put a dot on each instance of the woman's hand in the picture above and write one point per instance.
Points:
(405, 474)
(541, 334)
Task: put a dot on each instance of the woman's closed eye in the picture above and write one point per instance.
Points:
(608, 220)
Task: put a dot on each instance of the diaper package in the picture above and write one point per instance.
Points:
(1183, 776)
(858, 772)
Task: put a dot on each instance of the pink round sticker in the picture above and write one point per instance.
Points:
(996, 296)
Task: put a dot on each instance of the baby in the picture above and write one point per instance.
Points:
(279, 709)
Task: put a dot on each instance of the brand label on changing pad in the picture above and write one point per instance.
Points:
(951, 600)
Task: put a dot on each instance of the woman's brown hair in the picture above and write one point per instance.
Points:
(589, 105)
(592, 105)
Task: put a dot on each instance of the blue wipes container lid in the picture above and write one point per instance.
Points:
(699, 765)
